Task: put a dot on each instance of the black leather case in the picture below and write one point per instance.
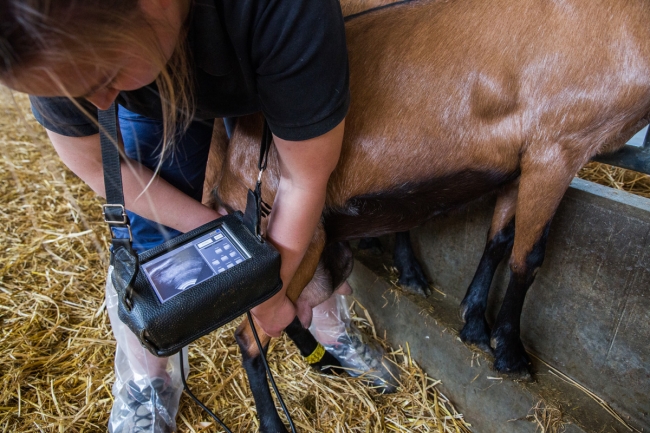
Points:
(164, 328)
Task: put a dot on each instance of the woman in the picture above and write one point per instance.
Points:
(174, 66)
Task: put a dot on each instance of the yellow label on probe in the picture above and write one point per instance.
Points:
(316, 355)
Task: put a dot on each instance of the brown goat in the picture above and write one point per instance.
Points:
(452, 100)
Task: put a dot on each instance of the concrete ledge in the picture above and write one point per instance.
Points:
(587, 314)
(490, 404)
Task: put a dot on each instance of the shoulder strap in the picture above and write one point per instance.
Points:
(265, 145)
(108, 137)
(256, 208)
(114, 211)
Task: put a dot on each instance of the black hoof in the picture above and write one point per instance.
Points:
(372, 244)
(413, 280)
(477, 334)
(512, 361)
(518, 376)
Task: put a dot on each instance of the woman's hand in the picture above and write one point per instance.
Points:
(305, 168)
(275, 314)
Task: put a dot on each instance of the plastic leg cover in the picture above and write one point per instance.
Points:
(332, 326)
(147, 389)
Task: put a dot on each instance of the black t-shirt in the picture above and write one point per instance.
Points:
(286, 58)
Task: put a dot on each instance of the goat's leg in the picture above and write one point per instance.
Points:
(545, 176)
(270, 422)
(501, 235)
(411, 275)
(214, 166)
(510, 356)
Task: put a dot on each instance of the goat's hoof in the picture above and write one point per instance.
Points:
(513, 364)
(415, 285)
(521, 374)
(476, 333)
(518, 376)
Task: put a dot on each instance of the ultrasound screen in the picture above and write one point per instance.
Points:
(190, 264)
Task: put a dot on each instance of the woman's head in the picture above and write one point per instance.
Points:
(96, 48)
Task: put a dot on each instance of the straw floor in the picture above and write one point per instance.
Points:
(615, 177)
(56, 348)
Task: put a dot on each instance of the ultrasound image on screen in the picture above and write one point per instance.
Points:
(177, 272)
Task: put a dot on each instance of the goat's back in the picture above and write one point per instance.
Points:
(444, 87)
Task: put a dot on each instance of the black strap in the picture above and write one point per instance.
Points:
(268, 373)
(265, 145)
(115, 216)
(111, 155)
(256, 208)
(114, 210)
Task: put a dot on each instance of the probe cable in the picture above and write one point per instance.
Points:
(268, 372)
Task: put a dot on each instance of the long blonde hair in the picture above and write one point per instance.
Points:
(48, 32)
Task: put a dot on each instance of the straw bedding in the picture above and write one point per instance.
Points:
(56, 348)
(615, 177)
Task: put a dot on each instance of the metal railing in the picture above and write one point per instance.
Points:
(631, 157)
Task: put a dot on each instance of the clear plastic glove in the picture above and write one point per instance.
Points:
(332, 326)
(147, 389)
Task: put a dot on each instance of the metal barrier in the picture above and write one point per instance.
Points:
(631, 157)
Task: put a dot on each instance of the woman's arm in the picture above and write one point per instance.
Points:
(305, 168)
(161, 202)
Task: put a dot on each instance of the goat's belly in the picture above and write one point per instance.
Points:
(408, 205)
